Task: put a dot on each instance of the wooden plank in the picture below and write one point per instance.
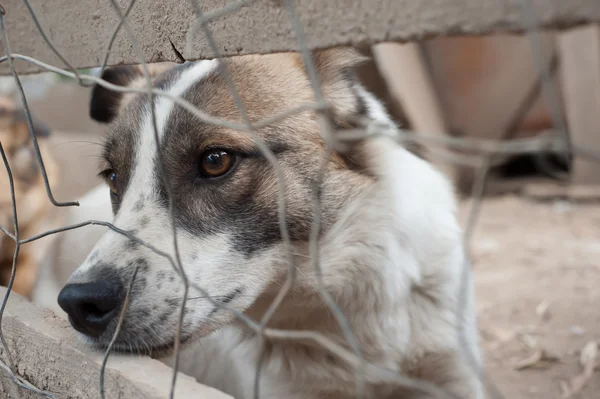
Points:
(80, 29)
(580, 60)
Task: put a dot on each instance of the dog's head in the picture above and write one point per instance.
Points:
(224, 192)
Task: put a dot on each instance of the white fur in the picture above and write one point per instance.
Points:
(71, 247)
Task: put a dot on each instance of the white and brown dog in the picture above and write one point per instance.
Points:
(390, 247)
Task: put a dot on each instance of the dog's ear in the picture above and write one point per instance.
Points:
(105, 103)
(336, 70)
(334, 63)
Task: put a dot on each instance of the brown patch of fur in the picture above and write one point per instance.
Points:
(32, 202)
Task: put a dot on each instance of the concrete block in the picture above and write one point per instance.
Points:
(80, 29)
(47, 353)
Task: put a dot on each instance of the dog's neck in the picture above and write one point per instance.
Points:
(358, 270)
(390, 256)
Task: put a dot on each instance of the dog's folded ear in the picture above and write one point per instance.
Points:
(335, 68)
(332, 64)
(337, 71)
(105, 103)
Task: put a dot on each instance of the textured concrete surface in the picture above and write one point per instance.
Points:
(81, 29)
(47, 354)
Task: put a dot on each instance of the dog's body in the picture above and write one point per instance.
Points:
(390, 248)
(33, 205)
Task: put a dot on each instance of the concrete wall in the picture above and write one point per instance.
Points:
(80, 29)
(47, 353)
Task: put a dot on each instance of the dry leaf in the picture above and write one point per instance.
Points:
(539, 359)
(565, 389)
(576, 385)
(589, 355)
(543, 310)
(577, 330)
(530, 361)
(502, 335)
(588, 361)
(529, 341)
(498, 336)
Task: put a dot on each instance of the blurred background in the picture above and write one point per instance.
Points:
(482, 87)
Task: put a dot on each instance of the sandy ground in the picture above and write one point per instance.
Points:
(537, 275)
(527, 256)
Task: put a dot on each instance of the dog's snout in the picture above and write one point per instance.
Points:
(91, 306)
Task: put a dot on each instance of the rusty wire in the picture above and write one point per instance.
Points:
(482, 156)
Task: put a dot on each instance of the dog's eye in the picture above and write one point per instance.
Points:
(111, 180)
(215, 163)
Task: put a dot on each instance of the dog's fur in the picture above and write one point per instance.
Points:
(33, 205)
(390, 248)
(69, 248)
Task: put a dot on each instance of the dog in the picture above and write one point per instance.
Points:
(33, 205)
(390, 247)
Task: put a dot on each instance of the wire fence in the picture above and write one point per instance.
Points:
(479, 154)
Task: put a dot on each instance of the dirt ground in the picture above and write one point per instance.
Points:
(537, 276)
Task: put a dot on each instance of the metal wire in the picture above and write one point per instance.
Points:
(272, 159)
(167, 184)
(16, 253)
(117, 330)
(479, 153)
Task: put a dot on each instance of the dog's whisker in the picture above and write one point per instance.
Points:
(90, 156)
(301, 255)
(218, 297)
(57, 145)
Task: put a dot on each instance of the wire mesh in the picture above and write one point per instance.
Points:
(479, 154)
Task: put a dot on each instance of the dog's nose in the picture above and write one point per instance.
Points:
(91, 306)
